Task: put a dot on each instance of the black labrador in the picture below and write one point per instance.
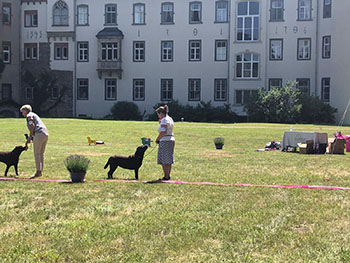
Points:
(12, 158)
(131, 162)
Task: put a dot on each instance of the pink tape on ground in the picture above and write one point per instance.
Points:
(183, 182)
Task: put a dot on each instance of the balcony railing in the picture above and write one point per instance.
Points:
(109, 67)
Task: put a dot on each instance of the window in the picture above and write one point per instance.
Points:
(326, 47)
(54, 93)
(304, 10)
(111, 14)
(221, 11)
(138, 89)
(304, 48)
(60, 13)
(61, 51)
(167, 51)
(6, 52)
(111, 89)
(194, 89)
(6, 13)
(276, 11)
(195, 12)
(83, 89)
(327, 8)
(28, 93)
(83, 51)
(30, 51)
(195, 52)
(139, 14)
(247, 66)
(110, 51)
(139, 51)
(275, 84)
(304, 85)
(220, 50)
(326, 89)
(6, 91)
(248, 21)
(220, 89)
(31, 18)
(167, 13)
(243, 96)
(83, 15)
(276, 49)
(166, 89)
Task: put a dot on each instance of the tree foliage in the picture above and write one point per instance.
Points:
(2, 66)
(124, 110)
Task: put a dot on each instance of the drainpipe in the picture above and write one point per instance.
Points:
(267, 43)
(317, 47)
(19, 57)
(229, 54)
(75, 60)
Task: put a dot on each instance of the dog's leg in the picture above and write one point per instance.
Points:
(16, 168)
(111, 171)
(7, 169)
(137, 174)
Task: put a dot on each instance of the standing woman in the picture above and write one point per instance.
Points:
(40, 135)
(165, 140)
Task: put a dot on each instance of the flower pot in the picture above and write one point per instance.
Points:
(219, 146)
(77, 177)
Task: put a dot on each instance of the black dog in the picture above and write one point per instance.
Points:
(12, 158)
(131, 162)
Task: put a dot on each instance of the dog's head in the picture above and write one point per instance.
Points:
(140, 151)
(18, 150)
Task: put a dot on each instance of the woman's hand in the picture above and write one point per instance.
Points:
(157, 141)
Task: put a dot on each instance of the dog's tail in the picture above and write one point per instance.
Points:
(108, 162)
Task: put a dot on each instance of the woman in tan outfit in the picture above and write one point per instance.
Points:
(40, 135)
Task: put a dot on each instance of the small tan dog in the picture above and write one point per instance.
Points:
(91, 141)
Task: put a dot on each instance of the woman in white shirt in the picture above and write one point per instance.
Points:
(165, 140)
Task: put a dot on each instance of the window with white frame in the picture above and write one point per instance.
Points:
(82, 89)
(276, 49)
(243, 96)
(195, 50)
(6, 91)
(247, 66)
(326, 47)
(327, 8)
(304, 48)
(304, 9)
(248, 21)
(166, 89)
(60, 13)
(111, 89)
(221, 11)
(326, 89)
(83, 15)
(30, 18)
(61, 51)
(111, 14)
(6, 52)
(109, 51)
(139, 14)
(139, 51)
(275, 84)
(54, 93)
(276, 10)
(28, 93)
(220, 50)
(220, 90)
(304, 85)
(6, 13)
(167, 51)
(167, 13)
(30, 51)
(194, 89)
(195, 12)
(138, 89)
(83, 51)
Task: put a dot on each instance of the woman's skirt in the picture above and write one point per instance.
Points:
(166, 152)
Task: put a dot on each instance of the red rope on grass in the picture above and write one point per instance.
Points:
(182, 182)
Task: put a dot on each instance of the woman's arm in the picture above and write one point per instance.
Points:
(31, 129)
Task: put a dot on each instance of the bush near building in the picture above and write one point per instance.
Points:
(125, 110)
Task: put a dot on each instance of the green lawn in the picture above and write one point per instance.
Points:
(135, 222)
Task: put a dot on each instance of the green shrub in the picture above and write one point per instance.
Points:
(219, 140)
(124, 110)
(76, 163)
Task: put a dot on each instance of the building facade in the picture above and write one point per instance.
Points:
(154, 51)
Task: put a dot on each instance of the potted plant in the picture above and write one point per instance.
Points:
(77, 165)
(219, 142)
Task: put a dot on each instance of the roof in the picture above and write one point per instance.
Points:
(110, 32)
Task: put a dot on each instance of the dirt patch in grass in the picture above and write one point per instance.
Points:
(218, 154)
(93, 154)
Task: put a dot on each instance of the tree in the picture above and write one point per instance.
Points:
(2, 66)
(42, 87)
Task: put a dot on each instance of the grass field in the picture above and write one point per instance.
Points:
(135, 222)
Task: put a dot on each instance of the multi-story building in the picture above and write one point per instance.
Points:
(154, 51)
